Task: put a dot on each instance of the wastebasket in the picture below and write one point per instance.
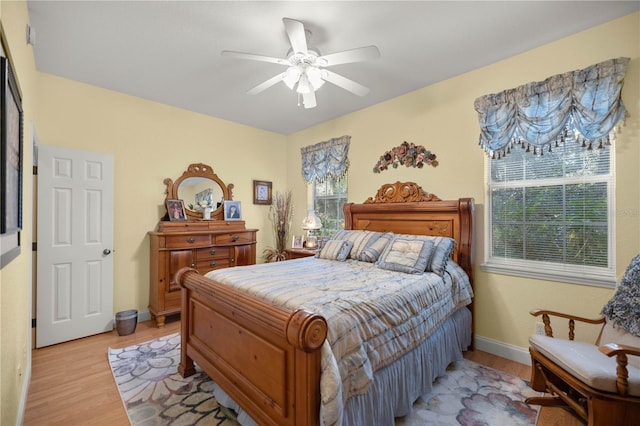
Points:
(126, 322)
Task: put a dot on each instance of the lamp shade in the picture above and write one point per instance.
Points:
(311, 222)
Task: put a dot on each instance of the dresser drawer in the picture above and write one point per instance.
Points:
(204, 266)
(235, 238)
(212, 253)
(187, 241)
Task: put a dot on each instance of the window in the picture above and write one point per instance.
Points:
(550, 215)
(328, 198)
(324, 166)
(550, 212)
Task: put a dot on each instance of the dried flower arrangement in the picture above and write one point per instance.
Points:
(281, 212)
(407, 154)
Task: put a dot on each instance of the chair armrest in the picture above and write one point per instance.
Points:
(611, 349)
(538, 312)
(621, 352)
(572, 319)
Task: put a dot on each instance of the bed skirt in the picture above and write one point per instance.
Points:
(386, 399)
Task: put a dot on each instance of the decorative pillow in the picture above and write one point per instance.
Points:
(335, 250)
(622, 309)
(443, 247)
(374, 249)
(361, 240)
(406, 253)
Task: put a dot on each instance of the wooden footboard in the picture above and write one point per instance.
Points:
(266, 358)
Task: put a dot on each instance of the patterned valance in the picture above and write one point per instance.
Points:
(325, 159)
(585, 102)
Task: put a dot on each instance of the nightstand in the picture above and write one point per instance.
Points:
(298, 253)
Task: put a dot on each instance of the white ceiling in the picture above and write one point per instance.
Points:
(169, 51)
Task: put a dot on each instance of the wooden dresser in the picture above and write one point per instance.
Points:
(203, 245)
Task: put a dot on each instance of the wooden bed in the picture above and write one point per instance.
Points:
(267, 358)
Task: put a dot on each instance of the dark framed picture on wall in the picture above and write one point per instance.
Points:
(11, 135)
(11, 141)
(261, 192)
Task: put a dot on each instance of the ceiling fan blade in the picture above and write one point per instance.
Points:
(345, 83)
(296, 34)
(309, 99)
(359, 54)
(253, 57)
(266, 84)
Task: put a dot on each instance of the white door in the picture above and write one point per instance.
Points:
(75, 241)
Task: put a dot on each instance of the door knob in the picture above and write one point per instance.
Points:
(106, 252)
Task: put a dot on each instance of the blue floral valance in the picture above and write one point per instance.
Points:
(542, 113)
(325, 159)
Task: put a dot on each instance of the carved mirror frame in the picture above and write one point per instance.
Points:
(199, 170)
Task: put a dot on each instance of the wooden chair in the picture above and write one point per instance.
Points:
(585, 378)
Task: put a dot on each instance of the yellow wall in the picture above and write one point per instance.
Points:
(150, 142)
(442, 118)
(15, 278)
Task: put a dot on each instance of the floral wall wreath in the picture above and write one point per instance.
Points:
(406, 154)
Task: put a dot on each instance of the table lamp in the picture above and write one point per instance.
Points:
(311, 223)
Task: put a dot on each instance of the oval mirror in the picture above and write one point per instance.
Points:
(199, 187)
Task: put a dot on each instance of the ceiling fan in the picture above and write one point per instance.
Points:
(306, 70)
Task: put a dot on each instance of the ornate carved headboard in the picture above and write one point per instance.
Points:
(405, 208)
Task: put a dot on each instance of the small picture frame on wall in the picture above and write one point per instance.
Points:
(232, 210)
(175, 210)
(261, 192)
(297, 242)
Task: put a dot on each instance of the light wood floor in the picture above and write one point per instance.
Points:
(72, 384)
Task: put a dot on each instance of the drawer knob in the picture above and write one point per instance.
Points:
(233, 259)
(235, 238)
(213, 251)
(191, 240)
(193, 265)
(212, 264)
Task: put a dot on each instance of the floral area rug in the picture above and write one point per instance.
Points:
(471, 394)
(154, 393)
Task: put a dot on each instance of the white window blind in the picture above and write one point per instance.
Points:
(551, 215)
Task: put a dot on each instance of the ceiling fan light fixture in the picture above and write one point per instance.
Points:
(314, 75)
(292, 75)
(306, 72)
(304, 86)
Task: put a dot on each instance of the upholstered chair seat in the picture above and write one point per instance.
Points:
(584, 361)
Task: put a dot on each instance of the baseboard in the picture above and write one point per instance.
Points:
(23, 396)
(505, 350)
(144, 315)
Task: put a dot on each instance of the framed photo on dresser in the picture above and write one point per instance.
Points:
(175, 210)
(232, 210)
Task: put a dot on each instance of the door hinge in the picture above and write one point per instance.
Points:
(33, 322)
(35, 170)
(34, 246)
